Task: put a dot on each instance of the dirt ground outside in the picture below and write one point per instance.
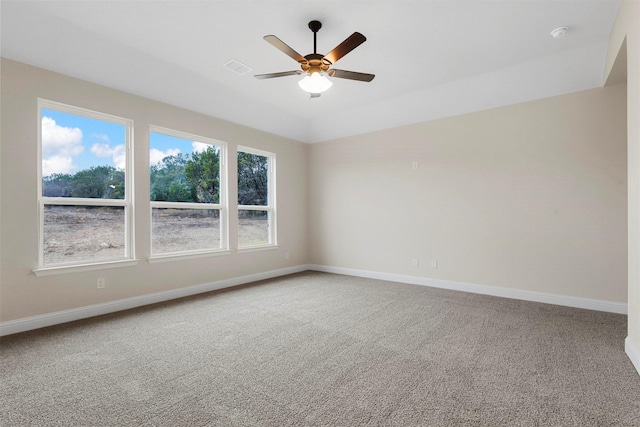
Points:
(81, 233)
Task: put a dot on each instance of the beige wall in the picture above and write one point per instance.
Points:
(627, 28)
(23, 295)
(530, 196)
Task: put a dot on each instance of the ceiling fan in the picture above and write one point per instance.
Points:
(317, 66)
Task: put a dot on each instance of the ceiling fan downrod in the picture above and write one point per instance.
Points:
(315, 27)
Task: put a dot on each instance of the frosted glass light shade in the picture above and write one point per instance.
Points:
(315, 83)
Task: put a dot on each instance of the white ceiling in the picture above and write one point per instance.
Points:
(431, 58)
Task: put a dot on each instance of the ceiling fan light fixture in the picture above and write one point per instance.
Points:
(315, 83)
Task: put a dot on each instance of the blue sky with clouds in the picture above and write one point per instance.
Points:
(161, 145)
(71, 143)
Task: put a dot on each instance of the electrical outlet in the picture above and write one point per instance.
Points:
(286, 255)
(102, 283)
(415, 262)
(414, 165)
(434, 264)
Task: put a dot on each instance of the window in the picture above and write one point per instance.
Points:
(84, 181)
(256, 198)
(188, 213)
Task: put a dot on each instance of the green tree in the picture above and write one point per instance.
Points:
(169, 182)
(253, 188)
(57, 185)
(115, 185)
(203, 173)
(98, 182)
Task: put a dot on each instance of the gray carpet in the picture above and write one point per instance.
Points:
(316, 349)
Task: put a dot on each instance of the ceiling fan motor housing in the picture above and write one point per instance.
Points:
(315, 63)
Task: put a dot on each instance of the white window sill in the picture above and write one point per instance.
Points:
(67, 269)
(185, 256)
(257, 248)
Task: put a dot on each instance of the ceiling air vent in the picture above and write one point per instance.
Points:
(237, 67)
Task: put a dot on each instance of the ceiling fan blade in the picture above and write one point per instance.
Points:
(350, 43)
(283, 47)
(351, 75)
(281, 74)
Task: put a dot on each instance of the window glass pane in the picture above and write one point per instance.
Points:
(83, 233)
(253, 179)
(82, 157)
(178, 230)
(182, 170)
(253, 228)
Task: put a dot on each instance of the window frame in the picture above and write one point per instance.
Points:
(127, 203)
(222, 206)
(270, 208)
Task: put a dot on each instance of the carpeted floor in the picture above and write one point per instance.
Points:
(316, 349)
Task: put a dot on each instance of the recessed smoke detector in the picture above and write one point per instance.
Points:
(559, 32)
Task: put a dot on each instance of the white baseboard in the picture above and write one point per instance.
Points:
(633, 354)
(568, 301)
(50, 319)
